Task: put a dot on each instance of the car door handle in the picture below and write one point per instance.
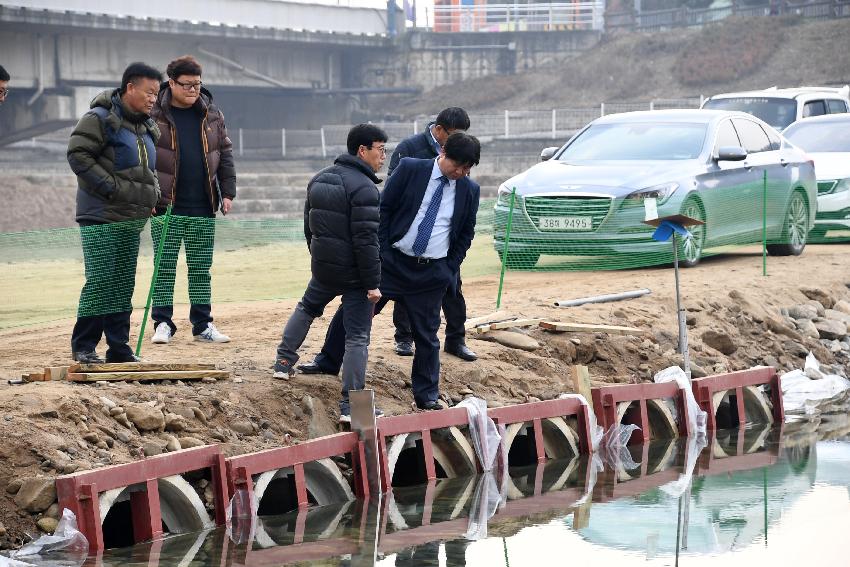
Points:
(748, 166)
(783, 162)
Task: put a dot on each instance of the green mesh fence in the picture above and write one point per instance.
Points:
(42, 274)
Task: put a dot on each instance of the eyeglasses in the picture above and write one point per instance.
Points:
(382, 149)
(4, 92)
(189, 86)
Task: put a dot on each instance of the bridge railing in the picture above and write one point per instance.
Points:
(519, 17)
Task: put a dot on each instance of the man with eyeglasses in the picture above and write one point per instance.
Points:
(194, 162)
(341, 226)
(4, 84)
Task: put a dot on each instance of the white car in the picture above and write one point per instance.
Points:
(782, 107)
(826, 139)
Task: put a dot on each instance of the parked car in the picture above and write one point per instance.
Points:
(782, 107)
(826, 139)
(588, 199)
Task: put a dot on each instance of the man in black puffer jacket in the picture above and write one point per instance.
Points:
(341, 217)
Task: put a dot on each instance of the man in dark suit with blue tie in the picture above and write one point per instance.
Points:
(428, 211)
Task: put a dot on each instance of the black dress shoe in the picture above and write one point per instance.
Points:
(123, 358)
(87, 357)
(404, 348)
(313, 368)
(461, 351)
(429, 406)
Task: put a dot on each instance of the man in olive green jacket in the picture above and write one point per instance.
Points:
(112, 152)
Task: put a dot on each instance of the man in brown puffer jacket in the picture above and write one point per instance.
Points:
(194, 160)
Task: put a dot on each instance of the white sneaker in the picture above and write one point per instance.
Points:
(212, 335)
(162, 334)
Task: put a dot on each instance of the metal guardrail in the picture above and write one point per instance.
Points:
(686, 17)
(329, 140)
(519, 17)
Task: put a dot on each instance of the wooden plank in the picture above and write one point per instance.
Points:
(507, 325)
(495, 317)
(581, 381)
(147, 376)
(55, 372)
(33, 377)
(560, 327)
(139, 367)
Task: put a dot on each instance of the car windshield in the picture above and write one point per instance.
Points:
(637, 141)
(820, 137)
(778, 112)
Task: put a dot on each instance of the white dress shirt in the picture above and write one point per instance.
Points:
(438, 245)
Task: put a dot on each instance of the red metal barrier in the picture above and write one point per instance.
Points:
(606, 399)
(705, 388)
(79, 491)
(240, 469)
(536, 412)
(421, 423)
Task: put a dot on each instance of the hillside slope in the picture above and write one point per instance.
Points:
(735, 54)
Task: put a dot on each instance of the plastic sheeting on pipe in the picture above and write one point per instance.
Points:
(482, 429)
(803, 390)
(67, 546)
(696, 417)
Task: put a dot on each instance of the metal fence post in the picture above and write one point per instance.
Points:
(415, 127)
(507, 124)
(283, 142)
(554, 123)
(324, 147)
(652, 105)
(701, 100)
(601, 109)
(240, 142)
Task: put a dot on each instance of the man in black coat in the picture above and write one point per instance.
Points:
(341, 226)
(425, 145)
(428, 213)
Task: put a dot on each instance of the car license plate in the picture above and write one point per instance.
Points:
(565, 223)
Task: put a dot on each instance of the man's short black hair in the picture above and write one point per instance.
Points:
(138, 70)
(463, 149)
(364, 135)
(4, 74)
(185, 65)
(453, 118)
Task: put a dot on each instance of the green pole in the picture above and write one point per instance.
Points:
(505, 252)
(764, 484)
(156, 261)
(764, 227)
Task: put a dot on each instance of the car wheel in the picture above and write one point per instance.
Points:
(795, 228)
(520, 260)
(690, 249)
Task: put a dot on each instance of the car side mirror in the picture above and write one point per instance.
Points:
(731, 153)
(547, 153)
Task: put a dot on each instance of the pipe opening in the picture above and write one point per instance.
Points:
(410, 466)
(661, 423)
(757, 407)
(281, 497)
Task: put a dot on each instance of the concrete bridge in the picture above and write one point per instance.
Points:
(273, 64)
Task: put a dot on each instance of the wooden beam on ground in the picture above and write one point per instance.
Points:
(139, 367)
(560, 327)
(147, 376)
(55, 372)
(495, 317)
(507, 325)
(33, 377)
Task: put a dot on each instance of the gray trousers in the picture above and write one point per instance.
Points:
(358, 325)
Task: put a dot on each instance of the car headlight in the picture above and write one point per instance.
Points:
(504, 197)
(660, 192)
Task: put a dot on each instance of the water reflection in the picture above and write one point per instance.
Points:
(683, 499)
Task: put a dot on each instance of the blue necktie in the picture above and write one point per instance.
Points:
(423, 234)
